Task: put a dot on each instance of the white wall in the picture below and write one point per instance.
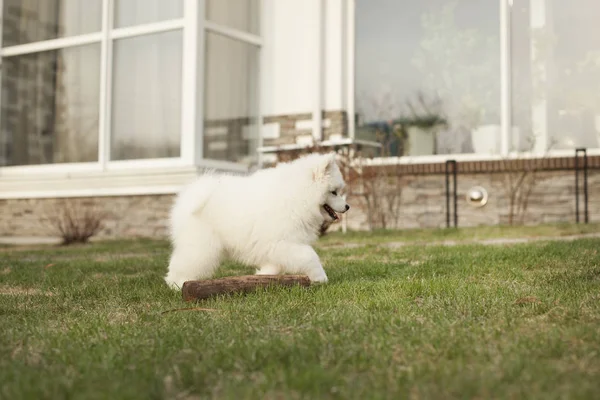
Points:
(290, 54)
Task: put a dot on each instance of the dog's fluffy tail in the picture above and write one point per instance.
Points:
(191, 200)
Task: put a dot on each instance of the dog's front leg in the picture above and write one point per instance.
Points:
(300, 259)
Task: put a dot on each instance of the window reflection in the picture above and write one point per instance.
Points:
(27, 21)
(556, 74)
(146, 103)
(432, 68)
(230, 100)
(50, 104)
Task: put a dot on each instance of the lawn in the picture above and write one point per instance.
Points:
(418, 322)
(466, 234)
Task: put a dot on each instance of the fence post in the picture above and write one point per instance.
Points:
(585, 185)
(455, 207)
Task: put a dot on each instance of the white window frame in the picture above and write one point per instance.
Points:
(505, 99)
(193, 26)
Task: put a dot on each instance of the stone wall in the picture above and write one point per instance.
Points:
(421, 202)
(125, 216)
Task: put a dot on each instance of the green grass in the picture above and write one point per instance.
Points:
(464, 234)
(468, 321)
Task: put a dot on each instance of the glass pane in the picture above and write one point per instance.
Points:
(230, 100)
(556, 74)
(26, 21)
(50, 102)
(432, 68)
(146, 104)
(137, 12)
(238, 14)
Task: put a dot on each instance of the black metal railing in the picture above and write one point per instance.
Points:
(578, 169)
(455, 207)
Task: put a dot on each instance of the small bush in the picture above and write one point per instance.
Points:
(75, 221)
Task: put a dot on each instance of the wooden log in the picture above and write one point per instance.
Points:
(204, 289)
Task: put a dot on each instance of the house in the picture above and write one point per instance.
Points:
(121, 102)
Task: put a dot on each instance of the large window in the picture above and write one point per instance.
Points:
(433, 68)
(127, 82)
(429, 75)
(52, 81)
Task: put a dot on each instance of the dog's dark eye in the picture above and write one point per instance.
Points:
(334, 193)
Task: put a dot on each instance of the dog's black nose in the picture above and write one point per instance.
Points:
(347, 207)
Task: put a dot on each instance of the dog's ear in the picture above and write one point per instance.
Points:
(323, 167)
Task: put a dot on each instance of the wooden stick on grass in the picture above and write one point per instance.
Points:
(198, 290)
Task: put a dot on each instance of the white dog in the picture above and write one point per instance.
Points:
(268, 220)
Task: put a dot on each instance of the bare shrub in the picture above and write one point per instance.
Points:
(519, 177)
(517, 186)
(74, 220)
(380, 187)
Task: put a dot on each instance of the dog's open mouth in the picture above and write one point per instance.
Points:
(330, 211)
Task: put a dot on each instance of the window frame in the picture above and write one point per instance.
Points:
(193, 26)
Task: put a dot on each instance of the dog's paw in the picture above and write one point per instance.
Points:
(318, 279)
(173, 284)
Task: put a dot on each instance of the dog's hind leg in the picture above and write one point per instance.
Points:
(196, 254)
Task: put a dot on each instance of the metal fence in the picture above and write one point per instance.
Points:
(583, 196)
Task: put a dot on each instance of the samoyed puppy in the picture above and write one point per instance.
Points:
(267, 220)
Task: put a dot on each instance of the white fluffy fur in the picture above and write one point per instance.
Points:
(268, 220)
